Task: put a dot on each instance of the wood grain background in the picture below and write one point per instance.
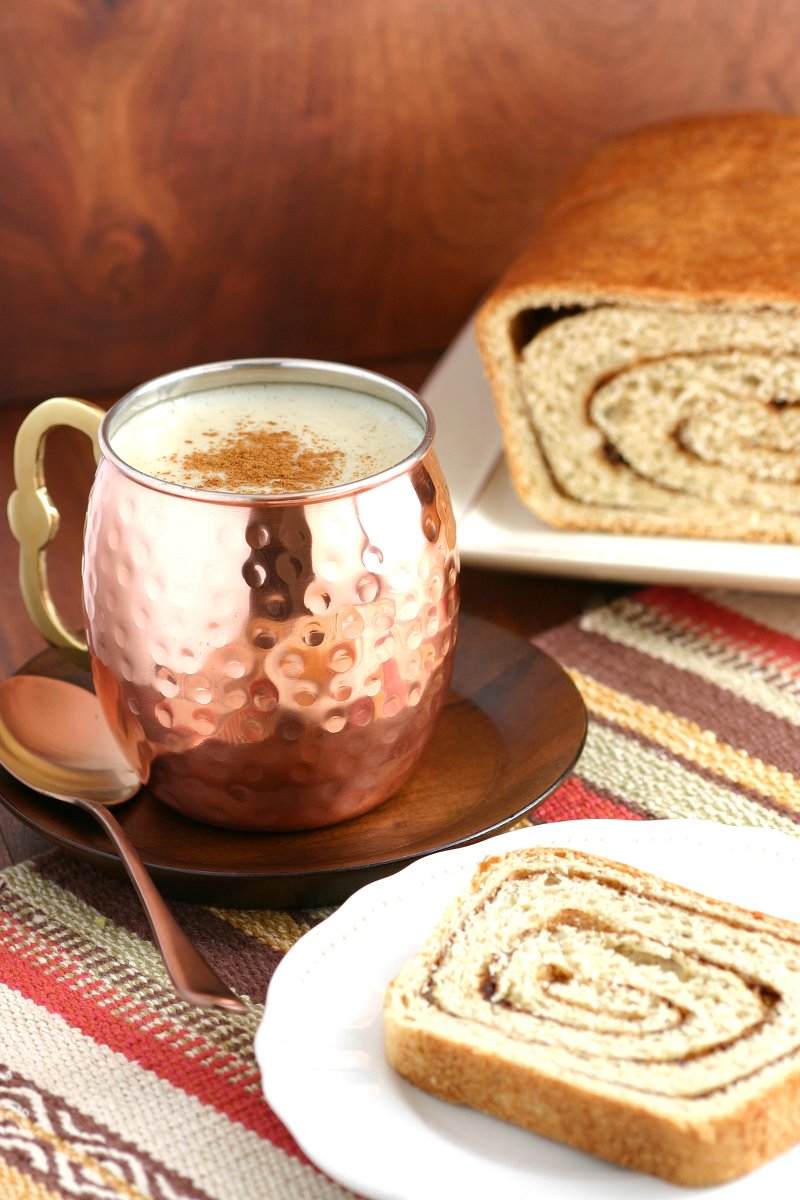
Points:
(193, 180)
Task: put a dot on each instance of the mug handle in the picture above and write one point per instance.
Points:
(34, 519)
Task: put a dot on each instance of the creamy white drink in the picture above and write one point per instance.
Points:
(267, 438)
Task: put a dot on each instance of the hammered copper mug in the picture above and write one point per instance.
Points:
(266, 662)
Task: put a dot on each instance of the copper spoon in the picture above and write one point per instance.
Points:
(54, 739)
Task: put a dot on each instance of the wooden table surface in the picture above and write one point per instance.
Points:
(523, 604)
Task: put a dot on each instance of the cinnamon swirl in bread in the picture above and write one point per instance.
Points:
(644, 351)
(611, 1010)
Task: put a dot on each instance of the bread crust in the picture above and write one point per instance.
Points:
(696, 216)
(691, 1141)
(693, 210)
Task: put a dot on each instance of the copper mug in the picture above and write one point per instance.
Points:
(266, 662)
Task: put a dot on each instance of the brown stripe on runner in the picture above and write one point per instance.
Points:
(734, 719)
(688, 739)
(71, 1145)
(731, 786)
(243, 962)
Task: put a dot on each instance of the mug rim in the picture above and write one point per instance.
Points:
(259, 370)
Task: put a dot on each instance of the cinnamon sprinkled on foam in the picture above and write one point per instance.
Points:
(263, 459)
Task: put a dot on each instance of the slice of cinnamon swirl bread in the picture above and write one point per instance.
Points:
(644, 350)
(611, 1010)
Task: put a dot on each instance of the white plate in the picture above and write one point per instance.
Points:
(320, 1043)
(496, 530)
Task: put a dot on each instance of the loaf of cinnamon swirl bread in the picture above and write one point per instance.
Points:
(644, 350)
(611, 1010)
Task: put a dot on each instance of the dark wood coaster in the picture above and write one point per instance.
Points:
(512, 729)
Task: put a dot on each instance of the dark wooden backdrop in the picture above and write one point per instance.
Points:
(198, 179)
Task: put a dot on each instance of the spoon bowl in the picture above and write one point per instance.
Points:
(54, 739)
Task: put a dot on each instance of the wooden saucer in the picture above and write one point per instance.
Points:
(512, 729)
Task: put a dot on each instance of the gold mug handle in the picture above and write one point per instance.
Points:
(34, 519)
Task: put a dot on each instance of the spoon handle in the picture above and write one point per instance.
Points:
(190, 973)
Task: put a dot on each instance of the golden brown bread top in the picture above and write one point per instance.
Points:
(705, 209)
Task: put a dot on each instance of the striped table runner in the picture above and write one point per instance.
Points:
(111, 1087)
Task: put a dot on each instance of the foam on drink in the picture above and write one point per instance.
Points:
(267, 438)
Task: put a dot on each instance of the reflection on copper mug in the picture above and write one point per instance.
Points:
(267, 662)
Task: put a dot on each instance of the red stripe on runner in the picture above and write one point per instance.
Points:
(573, 800)
(723, 625)
(92, 1014)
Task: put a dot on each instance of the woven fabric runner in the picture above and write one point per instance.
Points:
(111, 1087)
